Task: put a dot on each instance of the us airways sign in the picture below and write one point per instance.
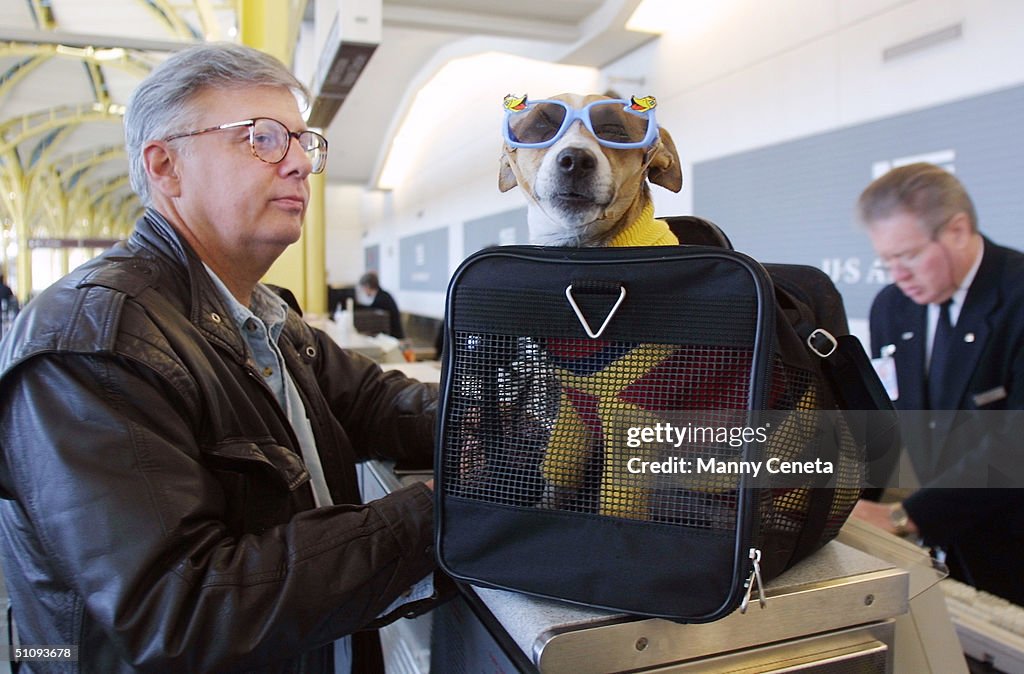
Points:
(856, 270)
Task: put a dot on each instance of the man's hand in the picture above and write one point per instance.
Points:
(881, 516)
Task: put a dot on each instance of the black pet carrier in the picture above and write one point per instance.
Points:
(649, 430)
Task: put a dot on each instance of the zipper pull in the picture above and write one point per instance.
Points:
(755, 557)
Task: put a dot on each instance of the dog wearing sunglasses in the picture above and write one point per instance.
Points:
(584, 163)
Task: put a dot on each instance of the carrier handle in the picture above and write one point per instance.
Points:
(582, 318)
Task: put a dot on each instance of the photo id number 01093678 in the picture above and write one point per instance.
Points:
(61, 653)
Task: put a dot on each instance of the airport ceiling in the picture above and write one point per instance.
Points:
(67, 68)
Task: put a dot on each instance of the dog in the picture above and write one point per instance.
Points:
(583, 192)
(584, 163)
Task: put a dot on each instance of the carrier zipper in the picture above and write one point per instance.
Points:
(766, 287)
(755, 574)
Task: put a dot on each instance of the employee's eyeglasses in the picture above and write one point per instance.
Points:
(911, 259)
(615, 123)
(270, 140)
(916, 256)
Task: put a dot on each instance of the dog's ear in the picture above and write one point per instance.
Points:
(665, 169)
(506, 176)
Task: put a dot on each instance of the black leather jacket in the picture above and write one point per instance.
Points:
(157, 511)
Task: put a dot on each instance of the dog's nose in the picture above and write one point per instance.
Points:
(574, 160)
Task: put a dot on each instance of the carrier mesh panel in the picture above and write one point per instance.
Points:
(784, 508)
(556, 423)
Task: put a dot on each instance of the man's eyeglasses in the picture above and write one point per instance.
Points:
(615, 123)
(270, 140)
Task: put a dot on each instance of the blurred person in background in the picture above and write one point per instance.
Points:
(370, 294)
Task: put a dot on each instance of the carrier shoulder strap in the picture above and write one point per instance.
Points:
(814, 308)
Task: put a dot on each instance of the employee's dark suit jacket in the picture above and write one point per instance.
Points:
(970, 460)
(385, 301)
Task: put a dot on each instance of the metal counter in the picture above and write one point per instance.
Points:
(834, 590)
(838, 607)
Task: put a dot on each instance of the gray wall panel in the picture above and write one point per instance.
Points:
(793, 202)
(500, 229)
(423, 261)
(371, 258)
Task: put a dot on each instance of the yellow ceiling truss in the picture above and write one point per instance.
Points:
(208, 19)
(60, 180)
(42, 13)
(34, 182)
(130, 61)
(43, 192)
(16, 74)
(30, 184)
(62, 192)
(171, 18)
(14, 132)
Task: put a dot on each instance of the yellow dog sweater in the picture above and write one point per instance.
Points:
(598, 398)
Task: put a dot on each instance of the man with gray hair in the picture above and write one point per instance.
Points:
(949, 332)
(177, 447)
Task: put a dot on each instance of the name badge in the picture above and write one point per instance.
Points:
(885, 368)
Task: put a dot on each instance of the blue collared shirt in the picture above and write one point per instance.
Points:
(260, 325)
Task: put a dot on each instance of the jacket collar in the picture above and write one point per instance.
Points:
(154, 232)
(203, 305)
(974, 326)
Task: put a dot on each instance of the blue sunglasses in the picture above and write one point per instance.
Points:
(615, 123)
